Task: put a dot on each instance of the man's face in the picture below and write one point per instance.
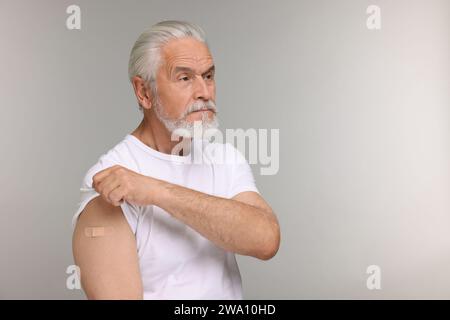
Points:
(185, 82)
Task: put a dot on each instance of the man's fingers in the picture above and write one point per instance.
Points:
(116, 196)
(102, 174)
(107, 186)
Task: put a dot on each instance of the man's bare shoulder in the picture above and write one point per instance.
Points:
(104, 247)
(98, 210)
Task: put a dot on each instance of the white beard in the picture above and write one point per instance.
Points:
(183, 128)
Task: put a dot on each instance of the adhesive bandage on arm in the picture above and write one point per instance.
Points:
(96, 232)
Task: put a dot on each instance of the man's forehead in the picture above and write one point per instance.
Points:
(186, 52)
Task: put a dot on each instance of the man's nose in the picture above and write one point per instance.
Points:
(201, 89)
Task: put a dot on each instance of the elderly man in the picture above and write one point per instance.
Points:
(153, 223)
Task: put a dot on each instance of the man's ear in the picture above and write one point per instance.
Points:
(143, 92)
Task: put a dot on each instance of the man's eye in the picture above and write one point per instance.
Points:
(209, 76)
(185, 78)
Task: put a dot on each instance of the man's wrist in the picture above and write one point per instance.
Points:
(158, 191)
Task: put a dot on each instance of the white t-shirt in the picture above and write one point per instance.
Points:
(176, 262)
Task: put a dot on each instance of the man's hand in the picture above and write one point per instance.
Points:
(117, 184)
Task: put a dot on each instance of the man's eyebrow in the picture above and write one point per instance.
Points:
(210, 69)
(189, 70)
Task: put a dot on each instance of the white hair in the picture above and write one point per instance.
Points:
(145, 56)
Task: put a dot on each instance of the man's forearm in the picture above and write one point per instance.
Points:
(245, 225)
(232, 225)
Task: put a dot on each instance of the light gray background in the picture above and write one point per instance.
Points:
(364, 129)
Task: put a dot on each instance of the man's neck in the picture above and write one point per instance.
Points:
(152, 132)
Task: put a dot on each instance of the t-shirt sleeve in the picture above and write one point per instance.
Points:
(241, 173)
(87, 193)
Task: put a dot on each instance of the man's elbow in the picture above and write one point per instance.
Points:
(272, 244)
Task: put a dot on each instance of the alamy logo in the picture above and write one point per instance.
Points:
(255, 141)
(73, 280)
(374, 280)
(374, 19)
(73, 21)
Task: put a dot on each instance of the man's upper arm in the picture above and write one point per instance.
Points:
(104, 248)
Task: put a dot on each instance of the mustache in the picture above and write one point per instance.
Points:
(199, 105)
